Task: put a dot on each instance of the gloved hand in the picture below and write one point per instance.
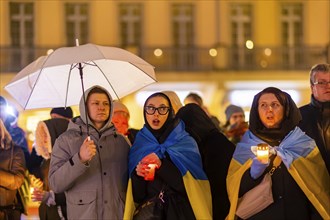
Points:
(257, 168)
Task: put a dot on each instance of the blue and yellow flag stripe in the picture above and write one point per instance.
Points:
(303, 161)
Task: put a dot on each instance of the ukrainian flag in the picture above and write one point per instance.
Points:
(184, 153)
(302, 159)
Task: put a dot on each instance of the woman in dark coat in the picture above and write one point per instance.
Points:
(216, 151)
(53, 205)
(163, 141)
(300, 184)
(12, 168)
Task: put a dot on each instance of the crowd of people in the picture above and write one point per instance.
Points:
(95, 166)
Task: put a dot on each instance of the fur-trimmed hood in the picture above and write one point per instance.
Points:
(46, 133)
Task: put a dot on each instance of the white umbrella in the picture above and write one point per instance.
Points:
(57, 80)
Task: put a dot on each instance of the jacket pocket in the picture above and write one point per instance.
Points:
(82, 205)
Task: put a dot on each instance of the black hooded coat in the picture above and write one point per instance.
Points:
(216, 152)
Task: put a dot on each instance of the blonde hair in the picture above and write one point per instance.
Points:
(174, 98)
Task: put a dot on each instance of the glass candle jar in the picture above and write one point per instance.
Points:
(151, 175)
(263, 153)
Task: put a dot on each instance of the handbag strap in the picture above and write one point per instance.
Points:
(277, 161)
(11, 155)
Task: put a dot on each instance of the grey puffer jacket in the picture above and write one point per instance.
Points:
(96, 190)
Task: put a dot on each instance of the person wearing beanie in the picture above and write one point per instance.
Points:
(62, 112)
(120, 120)
(234, 110)
(235, 125)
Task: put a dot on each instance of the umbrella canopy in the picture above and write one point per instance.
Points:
(55, 80)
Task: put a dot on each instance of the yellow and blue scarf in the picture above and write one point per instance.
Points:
(184, 153)
(302, 159)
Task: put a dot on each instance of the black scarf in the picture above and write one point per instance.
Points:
(274, 136)
(320, 105)
(170, 123)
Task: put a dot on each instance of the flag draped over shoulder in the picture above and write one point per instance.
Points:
(184, 153)
(302, 159)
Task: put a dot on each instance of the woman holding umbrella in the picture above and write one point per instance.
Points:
(89, 161)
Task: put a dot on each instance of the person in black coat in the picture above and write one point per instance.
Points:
(53, 205)
(316, 115)
(216, 152)
(53, 128)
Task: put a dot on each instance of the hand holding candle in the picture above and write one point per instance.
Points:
(151, 173)
(263, 153)
(151, 162)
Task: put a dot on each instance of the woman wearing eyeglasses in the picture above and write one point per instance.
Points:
(164, 143)
(300, 182)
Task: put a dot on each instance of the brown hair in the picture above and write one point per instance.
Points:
(99, 91)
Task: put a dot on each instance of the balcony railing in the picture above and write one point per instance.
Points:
(195, 59)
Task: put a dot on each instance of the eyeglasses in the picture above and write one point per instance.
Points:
(150, 110)
(321, 83)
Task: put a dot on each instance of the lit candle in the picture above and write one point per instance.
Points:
(150, 176)
(263, 153)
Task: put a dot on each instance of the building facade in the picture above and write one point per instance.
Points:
(226, 50)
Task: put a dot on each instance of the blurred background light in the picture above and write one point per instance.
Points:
(213, 52)
(50, 51)
(268, 52)
(158, 52)
(249, 44)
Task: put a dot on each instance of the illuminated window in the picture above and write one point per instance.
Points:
(292, 32)
(21, 24)
(21, 32)
(241, 31)
(76, 23)
(183, 35)
(130, 24)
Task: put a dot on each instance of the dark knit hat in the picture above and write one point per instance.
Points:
(231, 109)
(3, 101)
(65, 112)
